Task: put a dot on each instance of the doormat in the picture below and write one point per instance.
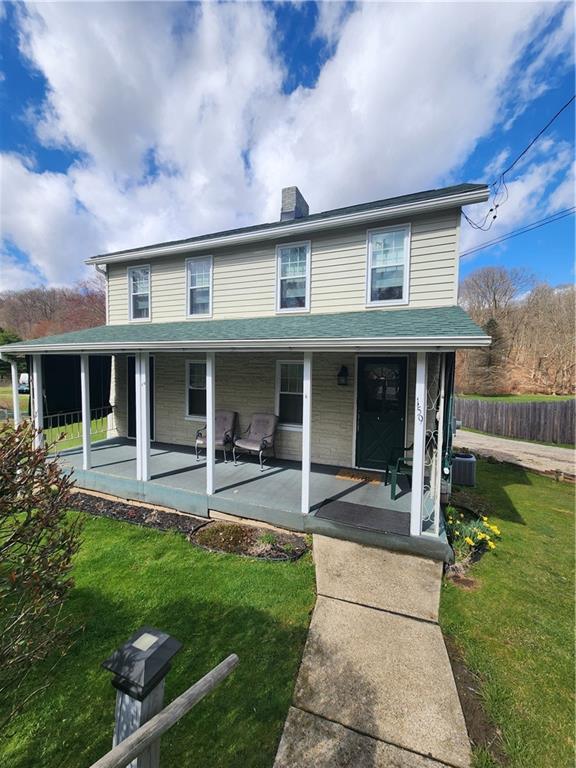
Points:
(374, 478)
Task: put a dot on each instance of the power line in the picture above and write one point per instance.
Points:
(522, 230)
(499, 184)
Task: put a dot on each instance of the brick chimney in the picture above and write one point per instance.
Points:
(293, 204)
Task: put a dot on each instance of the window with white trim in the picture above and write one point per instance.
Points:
(388, 266)
(289, 394)
(139, 292)
(199, 286)
(196, 388)
(293, 270)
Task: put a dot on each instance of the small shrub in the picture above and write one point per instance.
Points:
(37, 543)
(268, 538)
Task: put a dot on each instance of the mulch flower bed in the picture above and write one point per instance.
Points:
(214, 535)
(250, 540)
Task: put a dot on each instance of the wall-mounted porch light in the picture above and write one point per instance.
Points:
(342, 377)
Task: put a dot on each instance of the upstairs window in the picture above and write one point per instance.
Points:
(199, 286)
(139, 290)
(293, 270)
(196, 389)
(289, 393)
(388, 253)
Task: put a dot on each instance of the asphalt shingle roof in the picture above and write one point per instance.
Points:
(373, 324)
(427, 195)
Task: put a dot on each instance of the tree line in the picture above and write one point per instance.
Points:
(532, 326)
(36, 312)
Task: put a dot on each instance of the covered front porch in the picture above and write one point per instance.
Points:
(343, 503)
(345, 391)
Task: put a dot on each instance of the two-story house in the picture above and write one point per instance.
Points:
(339, 327)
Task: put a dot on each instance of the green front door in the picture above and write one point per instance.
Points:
(381, 410)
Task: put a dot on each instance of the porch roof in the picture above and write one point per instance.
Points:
(434, 328)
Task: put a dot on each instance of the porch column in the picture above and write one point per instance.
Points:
(210, 411)
(142, 385)
(440, 445)
(37, 400)
(419, 445)
(306, 432)
(86, 422)
(15, 395)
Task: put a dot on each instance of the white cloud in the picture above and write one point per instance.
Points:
(408, 92)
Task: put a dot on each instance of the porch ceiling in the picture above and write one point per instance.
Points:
(434, 328)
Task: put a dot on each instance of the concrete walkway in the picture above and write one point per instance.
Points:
(540, 458)
(375, 688)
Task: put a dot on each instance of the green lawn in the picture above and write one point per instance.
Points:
(519, 398)
(6, 399)
(214, 604)
(517, 628)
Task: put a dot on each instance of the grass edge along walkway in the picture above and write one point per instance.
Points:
(515, 628)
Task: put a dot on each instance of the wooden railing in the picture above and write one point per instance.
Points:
(129, 749)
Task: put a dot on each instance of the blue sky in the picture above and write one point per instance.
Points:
(124, 124)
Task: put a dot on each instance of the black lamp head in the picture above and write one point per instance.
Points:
(342, 376)
(142, 662)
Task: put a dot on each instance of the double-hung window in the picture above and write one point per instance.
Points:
(388, 256)
(139, 293)
(289, 393)
(199, 286)
(293, 277)
(196, 388)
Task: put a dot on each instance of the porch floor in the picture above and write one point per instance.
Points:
(339, 502)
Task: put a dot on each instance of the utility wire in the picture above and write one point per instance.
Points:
(499, 188)
(522, 230)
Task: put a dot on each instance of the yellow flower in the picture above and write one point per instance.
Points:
(491, 545)
(484, 518)
(494, 529)
(469, 541)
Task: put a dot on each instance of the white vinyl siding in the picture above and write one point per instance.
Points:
(199, 286)
(139, 293)
(244, 280)
(387, 269)
(293, 277)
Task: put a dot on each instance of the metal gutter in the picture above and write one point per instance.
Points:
(299, 228)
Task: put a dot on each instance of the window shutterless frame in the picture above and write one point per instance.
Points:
(131, 295)
(406, 229)
(279, 363)
(189, 265)
(306, 275)
(187, 415)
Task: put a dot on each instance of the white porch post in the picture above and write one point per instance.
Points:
(15, 395)
(440, 445)
(142, 385)
(210, 410)
(86, 424)
(306, 431)
(419, 446)
(37, 400)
